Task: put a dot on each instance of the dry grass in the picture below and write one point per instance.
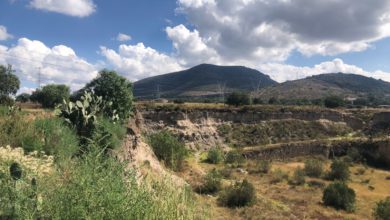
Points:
(283, 201)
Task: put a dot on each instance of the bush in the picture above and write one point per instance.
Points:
(108, 135)
(168, 149)
(339, 171)
(262, 166)
(212, 183)
(238, 195)
(298, 177)
(278, 176)
(215, 155)
(333, 102)
(339, 196)
(354, 155)
(114, 89)
(238, 99)
(235, 158)
(6, 100)
(382, 210)
(23, 98)
(51, 95)
(50, 135)
(314, 167)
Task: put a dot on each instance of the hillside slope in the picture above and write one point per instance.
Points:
(201, 81)
(319, 86)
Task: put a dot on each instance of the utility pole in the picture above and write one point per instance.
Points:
(221, 90)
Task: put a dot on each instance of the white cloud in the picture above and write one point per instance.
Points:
(283, 72)
(77, 8)
(4, 35)
(123, 37)
(137, 61)
(58, 64)
(268, 31)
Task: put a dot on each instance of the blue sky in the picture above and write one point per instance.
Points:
(69, 41)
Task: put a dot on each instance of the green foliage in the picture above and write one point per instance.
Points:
(168, 149)
(51, 95)
(235, 158)
(215, 155)
(382, 210)
(333, 102)
(238, 99)
(298, 177)
(114, 89)
(108, 135)
(354, 155)
(339, 196)
(314, 167)
(6, 100)
(93, 186)
(273, 101)
(238, 195)
(339, 170)
(9, 84)
(212, 183)
(24, 97)
(82, 114)
(50, 135)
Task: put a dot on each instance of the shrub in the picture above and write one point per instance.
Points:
(51, 95)
(24, 97)
(108, 135)
(238, 195)
(168, 149)
(264, 166)
(339, 171)
(6, 100)
(333, 102)
(212, 183)
(50, 135)
(278, 176)
(235, 158)
(298, 177)
(314, 167)
(339, 196)
(114, 89)
(354, 155)
(382, 210)
(215, 155)
(238, 99)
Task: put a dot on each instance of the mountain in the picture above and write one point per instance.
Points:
(319, 86)
(204, 80)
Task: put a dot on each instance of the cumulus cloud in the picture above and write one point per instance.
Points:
(77, 8)
(138, 61)
(58, 64)
(264, 30)
(283, 72)
(4, 35)
(123, 37)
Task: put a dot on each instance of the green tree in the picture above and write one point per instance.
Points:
(51, 95)
(115, 89)
(24, 97)
(238, 99)
(382, 210)
(9, 83)
(339, 196)
(333, 102)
